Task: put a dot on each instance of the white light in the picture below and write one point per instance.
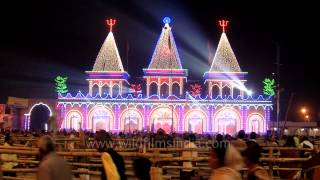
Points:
(249, 92)
(302, 129)
(46, 127)
(275, 128)
(316, 129)
(286, 130)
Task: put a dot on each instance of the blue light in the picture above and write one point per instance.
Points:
(166, 20)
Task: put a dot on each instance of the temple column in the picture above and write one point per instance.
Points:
(158, 87)
(231, 91)
(244, 113)
(90, 88)
(210, 118)
(170, 86)
(116, 118)
(120, 87)
(148, 86)
(100, 88)
(181, 118)
(181, 86)
(110, 88)
(220, 88)
(210, 89)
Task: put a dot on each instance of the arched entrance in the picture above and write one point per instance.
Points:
(227, 121)
(131, 119)
(100, 118)
(38, 117)
(195, 121)
(73, 120)
(163, 117)
(255, 123)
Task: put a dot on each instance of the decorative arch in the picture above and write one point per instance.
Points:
(40, 103)
(115, 90)
(73, 120)
(227, 120)
(100, 117)
(215, 90)
(95, 89)
(164, 90)
(196, 121)
(153, 88)
(161, 117)
(176, 89)
(40, 122)
(226, 90)
(134, 117)
(105, 90)
(255, 123)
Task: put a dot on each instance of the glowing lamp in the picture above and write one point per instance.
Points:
(166, 20)
(249, 92)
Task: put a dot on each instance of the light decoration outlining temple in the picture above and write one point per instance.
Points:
(224, 59)
(165, 55)
(202, 113)
(108, 58)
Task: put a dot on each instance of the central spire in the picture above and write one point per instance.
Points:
(165, 55)
(224, 59)
(108, 58)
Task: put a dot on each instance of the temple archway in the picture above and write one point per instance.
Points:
(163, 117)
(227, 121)
(195, 121)
(73, 120)
(39, 117)
(164, 90)
(176, 89)
(131, 120)
(100, 118)
(255, 123)
(153, 88)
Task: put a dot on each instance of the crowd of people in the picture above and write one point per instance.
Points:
(228, 155)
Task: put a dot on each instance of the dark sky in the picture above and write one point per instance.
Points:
(42, 39)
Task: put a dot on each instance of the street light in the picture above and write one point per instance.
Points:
(303, 110)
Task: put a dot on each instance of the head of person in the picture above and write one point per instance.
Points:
(8, 139)
(290, 142)
(142, 166)
(252, 154)
(46, 146)
(304, 138)
(225, 154)
(219, 137)
(241, 134)
(253, 135)
(102, 141)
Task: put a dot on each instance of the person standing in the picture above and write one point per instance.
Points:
(52, 166)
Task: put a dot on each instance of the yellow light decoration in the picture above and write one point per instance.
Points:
(224, 59)
(166, 55)
(108, 58)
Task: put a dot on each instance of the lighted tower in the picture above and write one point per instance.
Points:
(165, 75)
(225, 77)
(107, 76)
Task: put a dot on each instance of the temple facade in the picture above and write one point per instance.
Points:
(115, 105)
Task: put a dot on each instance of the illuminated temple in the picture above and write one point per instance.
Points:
(163, 102)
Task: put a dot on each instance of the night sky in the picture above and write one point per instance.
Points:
(42, 39)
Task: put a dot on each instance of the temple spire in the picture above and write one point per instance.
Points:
(108, 58)
(165, 55)
(224, 59)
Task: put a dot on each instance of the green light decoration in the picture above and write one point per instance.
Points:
(269, 87)
(61, 86)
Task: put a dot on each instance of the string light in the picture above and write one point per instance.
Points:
(166, 55)
(108, 58)
(224, 60)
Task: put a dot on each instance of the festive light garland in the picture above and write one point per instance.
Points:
(224, 60)
(166, 55)
(108, 58)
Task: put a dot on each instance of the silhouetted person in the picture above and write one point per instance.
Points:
(141, 167)
(104, 144)
(52, 166)
(251, 156)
